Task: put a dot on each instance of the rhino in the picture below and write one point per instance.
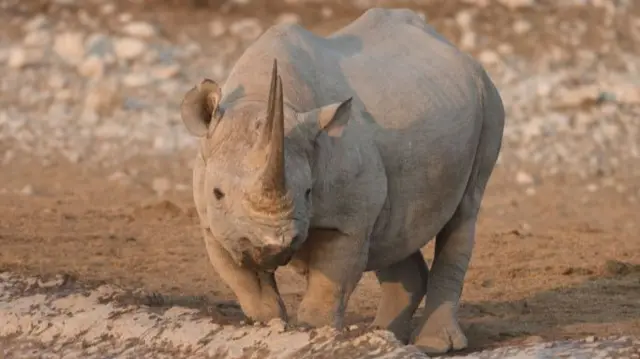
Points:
(344, 154)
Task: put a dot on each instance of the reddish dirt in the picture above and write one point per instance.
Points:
(563, 263)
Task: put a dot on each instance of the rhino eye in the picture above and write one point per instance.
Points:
(218, 193)
(307, 194)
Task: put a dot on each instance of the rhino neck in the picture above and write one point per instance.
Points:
(350, 184)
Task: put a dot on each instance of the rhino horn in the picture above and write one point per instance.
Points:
(273, 134)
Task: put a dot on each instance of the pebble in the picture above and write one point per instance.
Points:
(70, 47)
(161, 185)
(20, 57)
(217, 28)
(139, 29)
(524, 178)
(129, 48)
(137, 79)
(27, 190)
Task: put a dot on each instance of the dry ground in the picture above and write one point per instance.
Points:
(561, 263)
(558, 264)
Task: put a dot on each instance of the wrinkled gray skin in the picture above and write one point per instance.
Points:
(349, 154)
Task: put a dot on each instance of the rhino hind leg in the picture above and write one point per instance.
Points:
(404, 285)
(257, 292)
(438, 330)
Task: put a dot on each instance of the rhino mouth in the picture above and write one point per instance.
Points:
(267, 258)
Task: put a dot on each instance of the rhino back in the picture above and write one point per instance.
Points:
(421, 94)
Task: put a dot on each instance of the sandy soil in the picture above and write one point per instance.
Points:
(560, 264)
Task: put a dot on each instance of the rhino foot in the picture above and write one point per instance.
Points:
(441, 332)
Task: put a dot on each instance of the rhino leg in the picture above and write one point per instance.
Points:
(257, 292)
(335, 263)
(404, 285)
(439, 331)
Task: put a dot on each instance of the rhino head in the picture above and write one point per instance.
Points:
(258, 181)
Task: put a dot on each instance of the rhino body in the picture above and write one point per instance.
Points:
(348, 155)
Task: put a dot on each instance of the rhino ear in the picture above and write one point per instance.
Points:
(199, 106)
(333, 118)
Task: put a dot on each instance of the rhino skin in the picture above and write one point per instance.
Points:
(345, 154)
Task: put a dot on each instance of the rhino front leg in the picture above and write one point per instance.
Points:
(439, 331)
(257, 292)
(404, 285)
(335, 264)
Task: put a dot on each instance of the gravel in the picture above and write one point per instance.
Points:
(100, 94)
(60, 318)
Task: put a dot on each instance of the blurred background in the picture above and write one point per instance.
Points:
(95, 164)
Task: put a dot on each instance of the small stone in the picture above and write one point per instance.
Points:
(27, 190)
(139, 29)
(524, 178)
(521, 26)
(70, 47)
(217, 28)
(129, 48)
(180, 187)
(288, 18)
(489, 57)
(137, 79)
(161, 185)
(516, 4)
(530, 191)
(464, 19)
(108, 9)
(20, 57)
(592, 187)
(247, 29)
(326, 12)
(92, 67)
(164, 72)
(590, 339)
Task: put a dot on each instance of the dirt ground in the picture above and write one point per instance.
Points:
(563, 262)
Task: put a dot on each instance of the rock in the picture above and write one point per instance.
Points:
(488, 57)
(161, 185)
(129, 48)
(98, 45)
(524, 178)
(92, 67)
(140, 29)
(247, 29)
(288, 18)
(326, 12)
(217, 28)
(137, 79)
(516, 4)
(20, 57)
(164, 72)
(464, 19)
(521, 26)
(27, 190)
(69, 46)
